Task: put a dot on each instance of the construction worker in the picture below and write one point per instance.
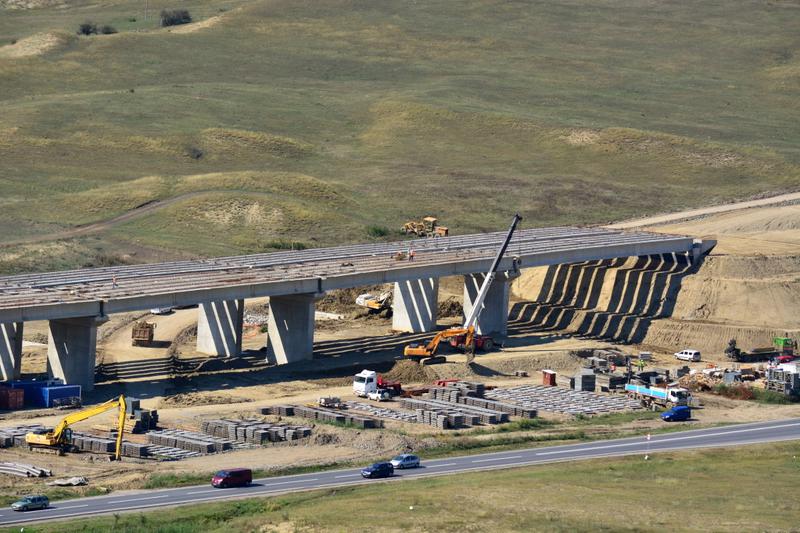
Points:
(113, 281)
(411, 253)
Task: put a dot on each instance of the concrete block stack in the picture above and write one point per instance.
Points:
(189, 440)
(441, 419)
(168, 453)
(503, 407)
(324, 415)
(253, 431)
(135, 449)
(560, 400)
(382, 412)
(15, 435)
(94, 444)
(473, 415)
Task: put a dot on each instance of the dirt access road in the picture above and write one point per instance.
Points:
(694, 213)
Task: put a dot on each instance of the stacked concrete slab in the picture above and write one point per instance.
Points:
(254, 431)
(472, 394)
(323, 415)
(473, 415)
(561, 400)
(383, 412)
(189, 440)
(15, 435)
(94, 444)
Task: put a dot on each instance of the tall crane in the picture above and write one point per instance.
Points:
(467, 330)
(61, 436)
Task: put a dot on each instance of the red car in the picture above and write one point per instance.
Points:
(232, 477)
(781, 359)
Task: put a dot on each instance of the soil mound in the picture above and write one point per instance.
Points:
(410, 372)
(450, 308)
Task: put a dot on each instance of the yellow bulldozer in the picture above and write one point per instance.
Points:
(60, 438)
(427, 227)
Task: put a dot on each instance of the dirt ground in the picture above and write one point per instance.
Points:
(747, 288)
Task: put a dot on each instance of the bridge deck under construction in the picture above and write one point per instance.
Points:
(89, 292)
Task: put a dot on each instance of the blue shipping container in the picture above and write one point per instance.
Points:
(50, 394)
(33, 390)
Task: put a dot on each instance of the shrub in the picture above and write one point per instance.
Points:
(377, 231)
(194, 152)
(174, 17)
(285, 245)
(87, 28)
(108, 30)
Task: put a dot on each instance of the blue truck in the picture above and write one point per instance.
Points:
(658, 396)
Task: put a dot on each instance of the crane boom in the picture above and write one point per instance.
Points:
(477, 306)
(468, 329)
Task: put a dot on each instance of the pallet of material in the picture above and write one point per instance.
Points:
(15, 435)
(383, 412)
(189, 440)
(326, 415)
(253, 431)
(441, 419)
(484, 416)
(559, 400)
(503, 407)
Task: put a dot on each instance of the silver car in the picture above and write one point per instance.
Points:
(405, 460)
(30, 503)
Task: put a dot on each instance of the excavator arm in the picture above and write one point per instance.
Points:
(58, 436)
(429, 350)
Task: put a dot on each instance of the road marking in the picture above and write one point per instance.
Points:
(140, 499)
(71, 506)
(204, 491)
(293, 481)
(498, 459)
(348, 475)
(664, 440)
(439, 466)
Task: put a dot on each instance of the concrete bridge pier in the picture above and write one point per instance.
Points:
(290, 328)
(494, 317)
(415, 305)
(219, 327)
(72, 350)
(10, 350)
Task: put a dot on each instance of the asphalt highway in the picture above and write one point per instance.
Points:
(736, 435)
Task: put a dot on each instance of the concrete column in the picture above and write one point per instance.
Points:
(415, 305)
(10, 350)
(494, 317)
(290, 328)
(72, 350)
(219, 327)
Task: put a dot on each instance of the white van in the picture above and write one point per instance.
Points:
(688, 355)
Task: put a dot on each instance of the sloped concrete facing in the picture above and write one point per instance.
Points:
(10, 350)
(219, 327)
(290, 328)
(415, 305)
(493, 320)
(72, 350)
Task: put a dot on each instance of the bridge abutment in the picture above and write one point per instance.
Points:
(72, 350)
(10, 350)
(219, 327)
(290, 328)
(415, 305)
(494, 317)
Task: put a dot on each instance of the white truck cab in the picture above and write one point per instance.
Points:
(365, 382)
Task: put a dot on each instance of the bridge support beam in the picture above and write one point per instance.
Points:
(72, 350)
(219, 327)
(10, 350)
(290, 328)
(494, 317)
(415, 305)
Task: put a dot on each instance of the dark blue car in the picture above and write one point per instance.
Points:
(378, 470)
(677, 414)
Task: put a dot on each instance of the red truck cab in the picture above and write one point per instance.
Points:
(232, 477)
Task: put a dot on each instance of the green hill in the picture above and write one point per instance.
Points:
(277, 121)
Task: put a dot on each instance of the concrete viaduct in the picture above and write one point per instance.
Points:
(75, 302)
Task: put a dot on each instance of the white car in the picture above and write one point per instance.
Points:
(688, 355)
(405, 460)
(160, 310)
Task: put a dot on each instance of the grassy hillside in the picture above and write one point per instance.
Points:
(747, 489)
(287, 120)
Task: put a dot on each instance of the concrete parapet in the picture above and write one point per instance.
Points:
(219, 327)
(290, 328)
(72, 350)
(10, 350)
(415, 305)
(494, 317)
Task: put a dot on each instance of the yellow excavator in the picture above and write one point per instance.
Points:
(465, 335)
(60, 438)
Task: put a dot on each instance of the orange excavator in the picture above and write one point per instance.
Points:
(464, 335)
